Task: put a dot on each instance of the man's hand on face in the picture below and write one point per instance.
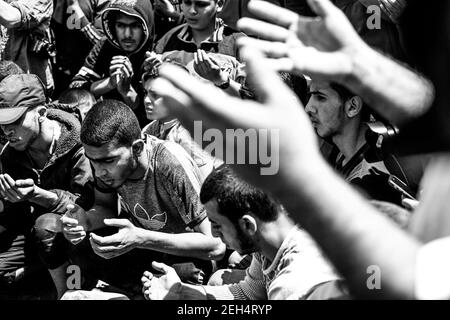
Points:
(151, 60)
(16, 191)
(166, 287)
(121, 73)
(74, 224)
(323, 47)
(208, 68)
(117, 244)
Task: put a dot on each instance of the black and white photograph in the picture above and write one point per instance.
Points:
(232, 150)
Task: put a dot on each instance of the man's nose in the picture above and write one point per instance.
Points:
(127, 32)
(193, 9)
(309, 107)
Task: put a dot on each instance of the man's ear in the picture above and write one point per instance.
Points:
(42, 113)
(220, 5)
(353, 106)
(138, 147)
(248, 225)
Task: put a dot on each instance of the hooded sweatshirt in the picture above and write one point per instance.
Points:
(67, 173)
(96, 65)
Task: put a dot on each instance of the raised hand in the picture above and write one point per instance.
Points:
(321, 47)
(121, 73)
(152, 59)
(208, 68)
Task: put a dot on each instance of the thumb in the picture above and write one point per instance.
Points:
(120, 223)
(161, 267)
(322, 8)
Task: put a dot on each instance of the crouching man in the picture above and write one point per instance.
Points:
(286, 264)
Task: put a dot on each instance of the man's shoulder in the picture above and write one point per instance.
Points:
(166, 153)
(230, 32)
(169, 37)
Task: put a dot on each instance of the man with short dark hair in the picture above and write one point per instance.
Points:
(157, 184)
(341, 117)
(286, 262)
(43, 169)
(113, 67)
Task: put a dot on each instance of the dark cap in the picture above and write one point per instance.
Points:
(19, 92)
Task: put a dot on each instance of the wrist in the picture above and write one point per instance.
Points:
(139, 242)
(224, 82)
(360, 57)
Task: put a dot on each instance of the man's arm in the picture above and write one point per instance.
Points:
(199, 244)
(31, 13)
(87, 27)
(169, 286)
(10, 16)
(352, 233)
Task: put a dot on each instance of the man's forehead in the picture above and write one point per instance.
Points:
(106, 150)
(127, 19)
(319, 86)
(201, 1)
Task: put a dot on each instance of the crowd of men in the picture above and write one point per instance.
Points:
(106, 191)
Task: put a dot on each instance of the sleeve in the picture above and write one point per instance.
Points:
(432, 279)
(93, 30)
(181, 178)
(89, 72)
(251, 288)
(160, 46)
(81, 185)
(33, 12)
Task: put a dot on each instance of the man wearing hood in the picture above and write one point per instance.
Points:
(112, 68)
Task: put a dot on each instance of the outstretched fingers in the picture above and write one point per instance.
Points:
(263, 30)
(272, 13)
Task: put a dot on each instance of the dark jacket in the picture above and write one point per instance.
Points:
(96, 65)
(67, 173)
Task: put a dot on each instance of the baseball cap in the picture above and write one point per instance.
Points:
(19, 92)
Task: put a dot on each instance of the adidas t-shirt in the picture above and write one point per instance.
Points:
(166, 199)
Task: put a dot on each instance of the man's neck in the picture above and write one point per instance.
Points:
(202, 35)
(49, 132)
(350, 140)
(273, 235)
(142, 166)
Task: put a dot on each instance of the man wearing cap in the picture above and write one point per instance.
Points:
(112, 69)
(43, 169)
